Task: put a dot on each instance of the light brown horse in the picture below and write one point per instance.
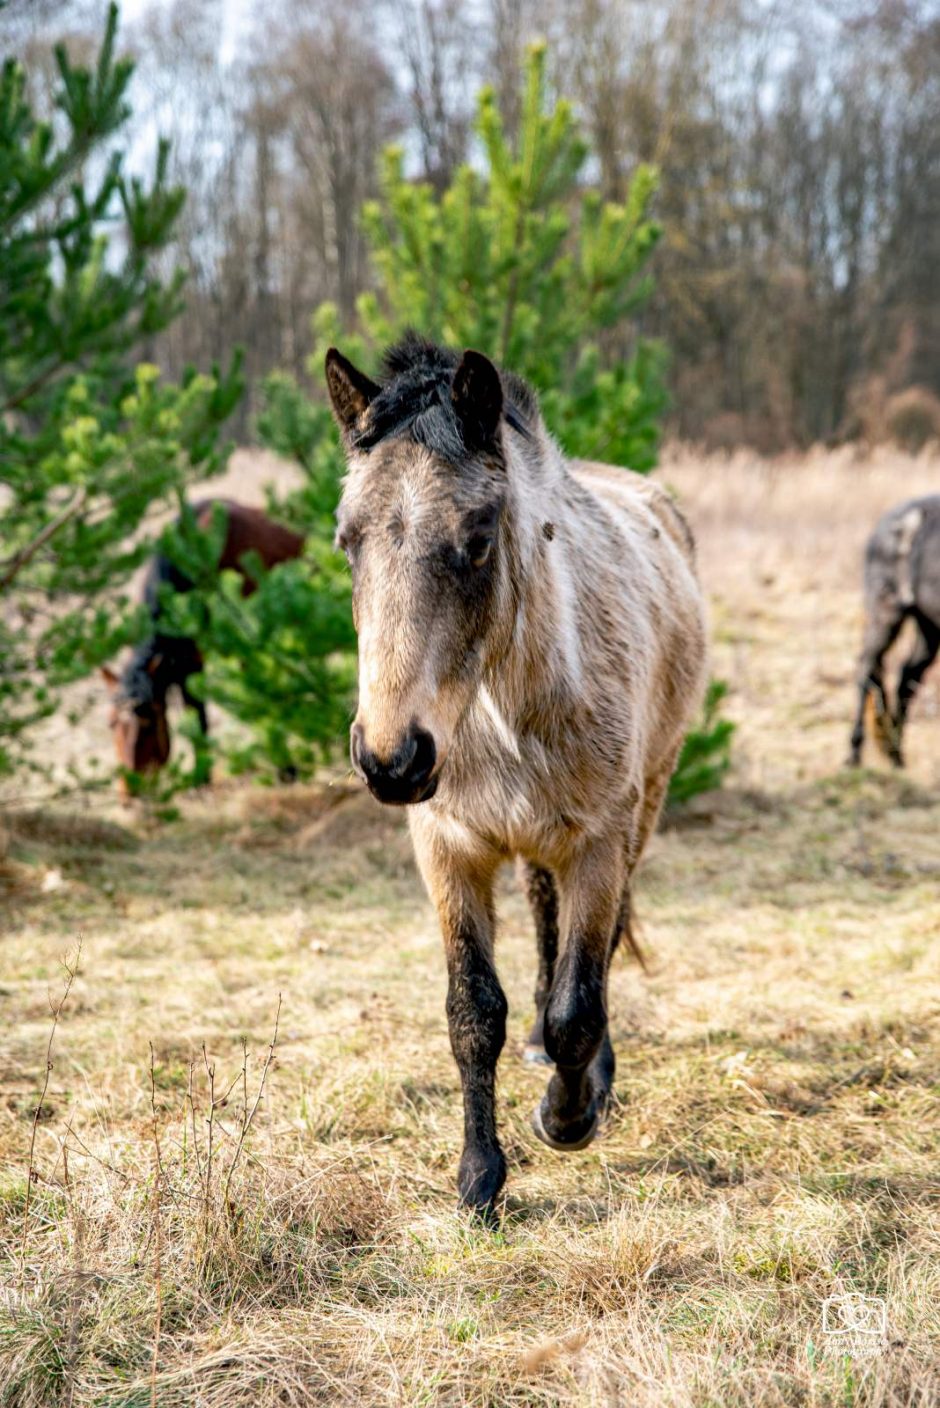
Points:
(138, 719)
(531, 648)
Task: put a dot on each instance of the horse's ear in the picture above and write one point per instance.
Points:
(110, 678)
(351, 391)
(477, 394)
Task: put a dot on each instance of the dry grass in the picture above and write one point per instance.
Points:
(776, 1138)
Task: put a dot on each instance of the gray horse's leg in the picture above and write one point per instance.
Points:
(912, 672)
(543, 898)
(604, 1066)
(590, 889)
(880, 634)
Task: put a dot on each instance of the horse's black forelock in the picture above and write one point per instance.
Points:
(415, 399)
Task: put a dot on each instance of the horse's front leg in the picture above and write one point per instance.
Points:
(462, 891)
(202, 757)
(192, 701)
(590, 888)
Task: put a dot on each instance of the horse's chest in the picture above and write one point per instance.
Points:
(530, 800)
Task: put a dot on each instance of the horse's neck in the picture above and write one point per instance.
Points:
(540, 655)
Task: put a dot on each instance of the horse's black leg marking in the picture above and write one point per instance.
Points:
(476, 1016)
(198, 705)
(576, 1013)
(604, 1065)
(543, 897)
(858, 731)
(913, 670)
(880, 634)
(203, 760)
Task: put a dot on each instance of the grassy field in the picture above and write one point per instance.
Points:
(776, 1139)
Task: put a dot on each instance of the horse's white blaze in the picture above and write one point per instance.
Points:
(457, 834)
(506, 735)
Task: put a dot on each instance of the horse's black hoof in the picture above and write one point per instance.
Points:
(478, 1185)
(534, 1054)
(577, 1135)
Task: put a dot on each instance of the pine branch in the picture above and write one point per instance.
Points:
(10, 570)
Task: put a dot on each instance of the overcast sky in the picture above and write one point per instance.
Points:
(237, 15)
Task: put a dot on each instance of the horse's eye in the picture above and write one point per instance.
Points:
(479, 548)
(348, 542)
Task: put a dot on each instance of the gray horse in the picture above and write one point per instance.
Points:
(531, 649)
(902, 581)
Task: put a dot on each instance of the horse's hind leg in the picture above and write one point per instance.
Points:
(912, 672)
(604, 1065)
(881, 631)
(543, 898)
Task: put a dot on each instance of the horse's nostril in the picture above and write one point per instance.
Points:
(355, 746)
(404, 777)
(401, 765)
(425, 756)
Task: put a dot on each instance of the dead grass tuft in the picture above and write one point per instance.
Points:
(74, 830)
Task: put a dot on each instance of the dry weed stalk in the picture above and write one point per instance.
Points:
(248, 1117)
(206, 1156)
(75, 1295)
(157, 1232)
(207, 1191)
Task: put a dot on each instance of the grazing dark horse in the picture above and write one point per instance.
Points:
(531, 647)
(902, 582)
(139, 693)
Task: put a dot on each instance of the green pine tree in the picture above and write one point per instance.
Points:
(524, 262)
(89, 443)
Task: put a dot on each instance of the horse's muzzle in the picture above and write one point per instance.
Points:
(407, 777)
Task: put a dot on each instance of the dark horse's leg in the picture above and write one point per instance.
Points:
(912, 672)
(604, 1065)
(462, 891)
(881, 632)
(543, 897)
(203, 764)
(575, 1026)
(198, 705)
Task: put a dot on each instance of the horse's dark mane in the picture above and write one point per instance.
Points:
(142, 683)
(138, 686)
(415, 399)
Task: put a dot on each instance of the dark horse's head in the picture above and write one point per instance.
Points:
(138, 718)
(424, 525)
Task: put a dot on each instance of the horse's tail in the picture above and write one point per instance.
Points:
(625, 931)
(633, 944)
